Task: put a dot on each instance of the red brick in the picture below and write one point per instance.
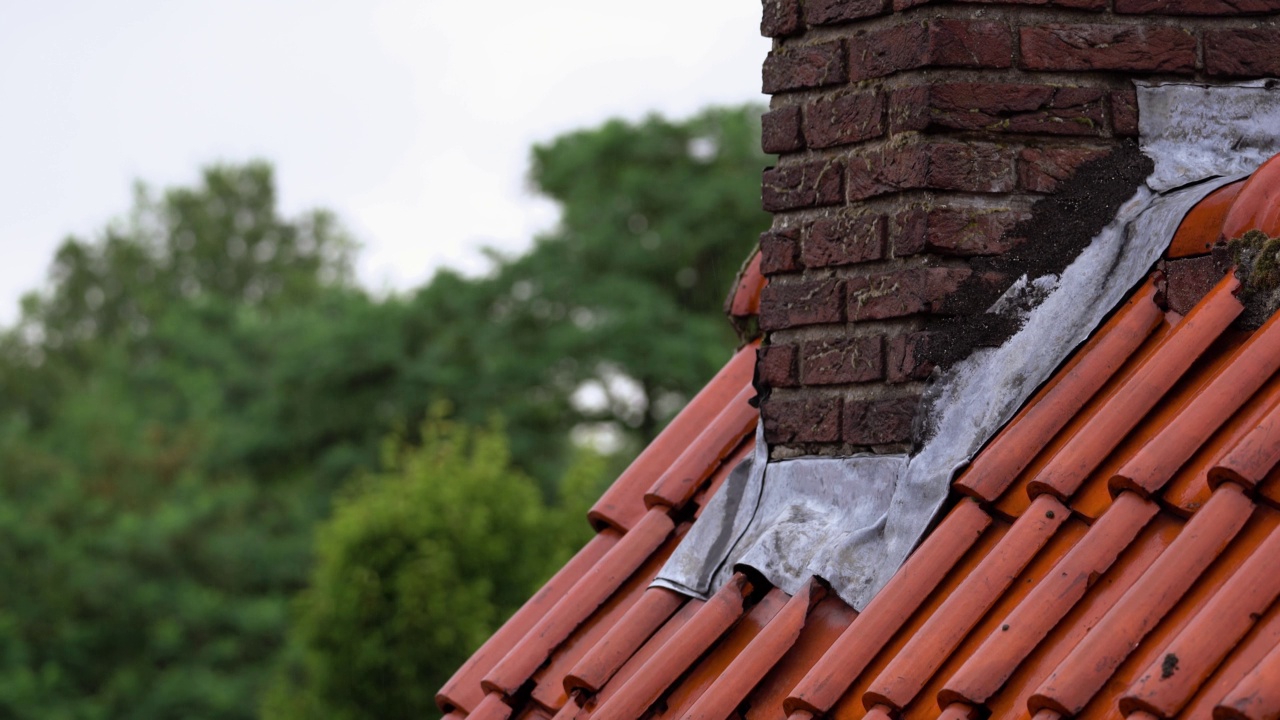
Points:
(1080, 4)
(1124, 112)
(970, 167)
(809, 419)
(780, 130)
(779, 251)
(940, 43)
(1140, 48)
(1073, 4)
(953, 230)
(999, 107)
(1196, 7)
(1040, 170)
(909, 232)
(968, 232)
(966, 167)
(844, 241)
(876, 53)
(841, 119)
(1188, 280)
(1242, 52)
(970, 44)
(776, 366)
(838, 361)
(908, 108)
(803, 185)
(826, 12)
(802, 302)
(780, 18)
(868, 171)
(879, 422)
(808, 66)
(905, 292)
(904, 358)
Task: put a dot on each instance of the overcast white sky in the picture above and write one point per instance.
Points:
(412, 120)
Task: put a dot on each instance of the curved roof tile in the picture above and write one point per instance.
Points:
(1110, 553)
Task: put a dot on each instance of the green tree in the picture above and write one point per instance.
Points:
(657, 219)
(179, 406)
(417, 566)
(612, 320)
(147, 561)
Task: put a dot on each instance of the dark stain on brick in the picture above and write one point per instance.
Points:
(1060, 227)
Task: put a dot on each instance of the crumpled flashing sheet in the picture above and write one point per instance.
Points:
(1193, 130)
(852, 521)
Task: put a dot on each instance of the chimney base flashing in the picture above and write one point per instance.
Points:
(1193, 130)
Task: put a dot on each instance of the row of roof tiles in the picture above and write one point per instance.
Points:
(1114, 551)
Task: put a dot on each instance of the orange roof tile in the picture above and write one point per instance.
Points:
(1110, 553)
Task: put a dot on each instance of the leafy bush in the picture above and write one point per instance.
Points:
(417, 566)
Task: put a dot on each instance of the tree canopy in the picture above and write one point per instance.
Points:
(224, 463)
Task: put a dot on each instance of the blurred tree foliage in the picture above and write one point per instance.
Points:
(451, 514)
(182, 404)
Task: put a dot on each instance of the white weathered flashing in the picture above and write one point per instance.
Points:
(1193, 130)
(852, 521)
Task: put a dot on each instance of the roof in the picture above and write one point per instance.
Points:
(1114, 550)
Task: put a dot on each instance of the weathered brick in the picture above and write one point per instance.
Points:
(1196, 7)
(826, 12)
(1243, 52)
(802, 302)
(802, 185)
(780, 130)
(776, 366)
(779, 251)
(908, 108)
(844, 240)
(1124, 112)
(1040, 170)
(909, 232)
(794, 68)
(780, 18)
(837, 361)
(1072, 4)
(841, 119)
(941, 43)
(808, 419)
(970, 43)
(967, 167)
(884, 51)
(969, 231)
(999, 107)
(970, 167)
(904, 358)
(868, 177)
(1189, 280)
(954, 230)
(905, 292)
(1139, 48)
(879, 422)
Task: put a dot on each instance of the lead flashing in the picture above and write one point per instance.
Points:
(1195, 131)
(853, 521)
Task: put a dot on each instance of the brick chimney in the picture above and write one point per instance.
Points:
(921, 146)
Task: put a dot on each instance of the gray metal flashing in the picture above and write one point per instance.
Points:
(852, 521)
(1193, 130)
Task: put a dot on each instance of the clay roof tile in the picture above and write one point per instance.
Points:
(1109, 554)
